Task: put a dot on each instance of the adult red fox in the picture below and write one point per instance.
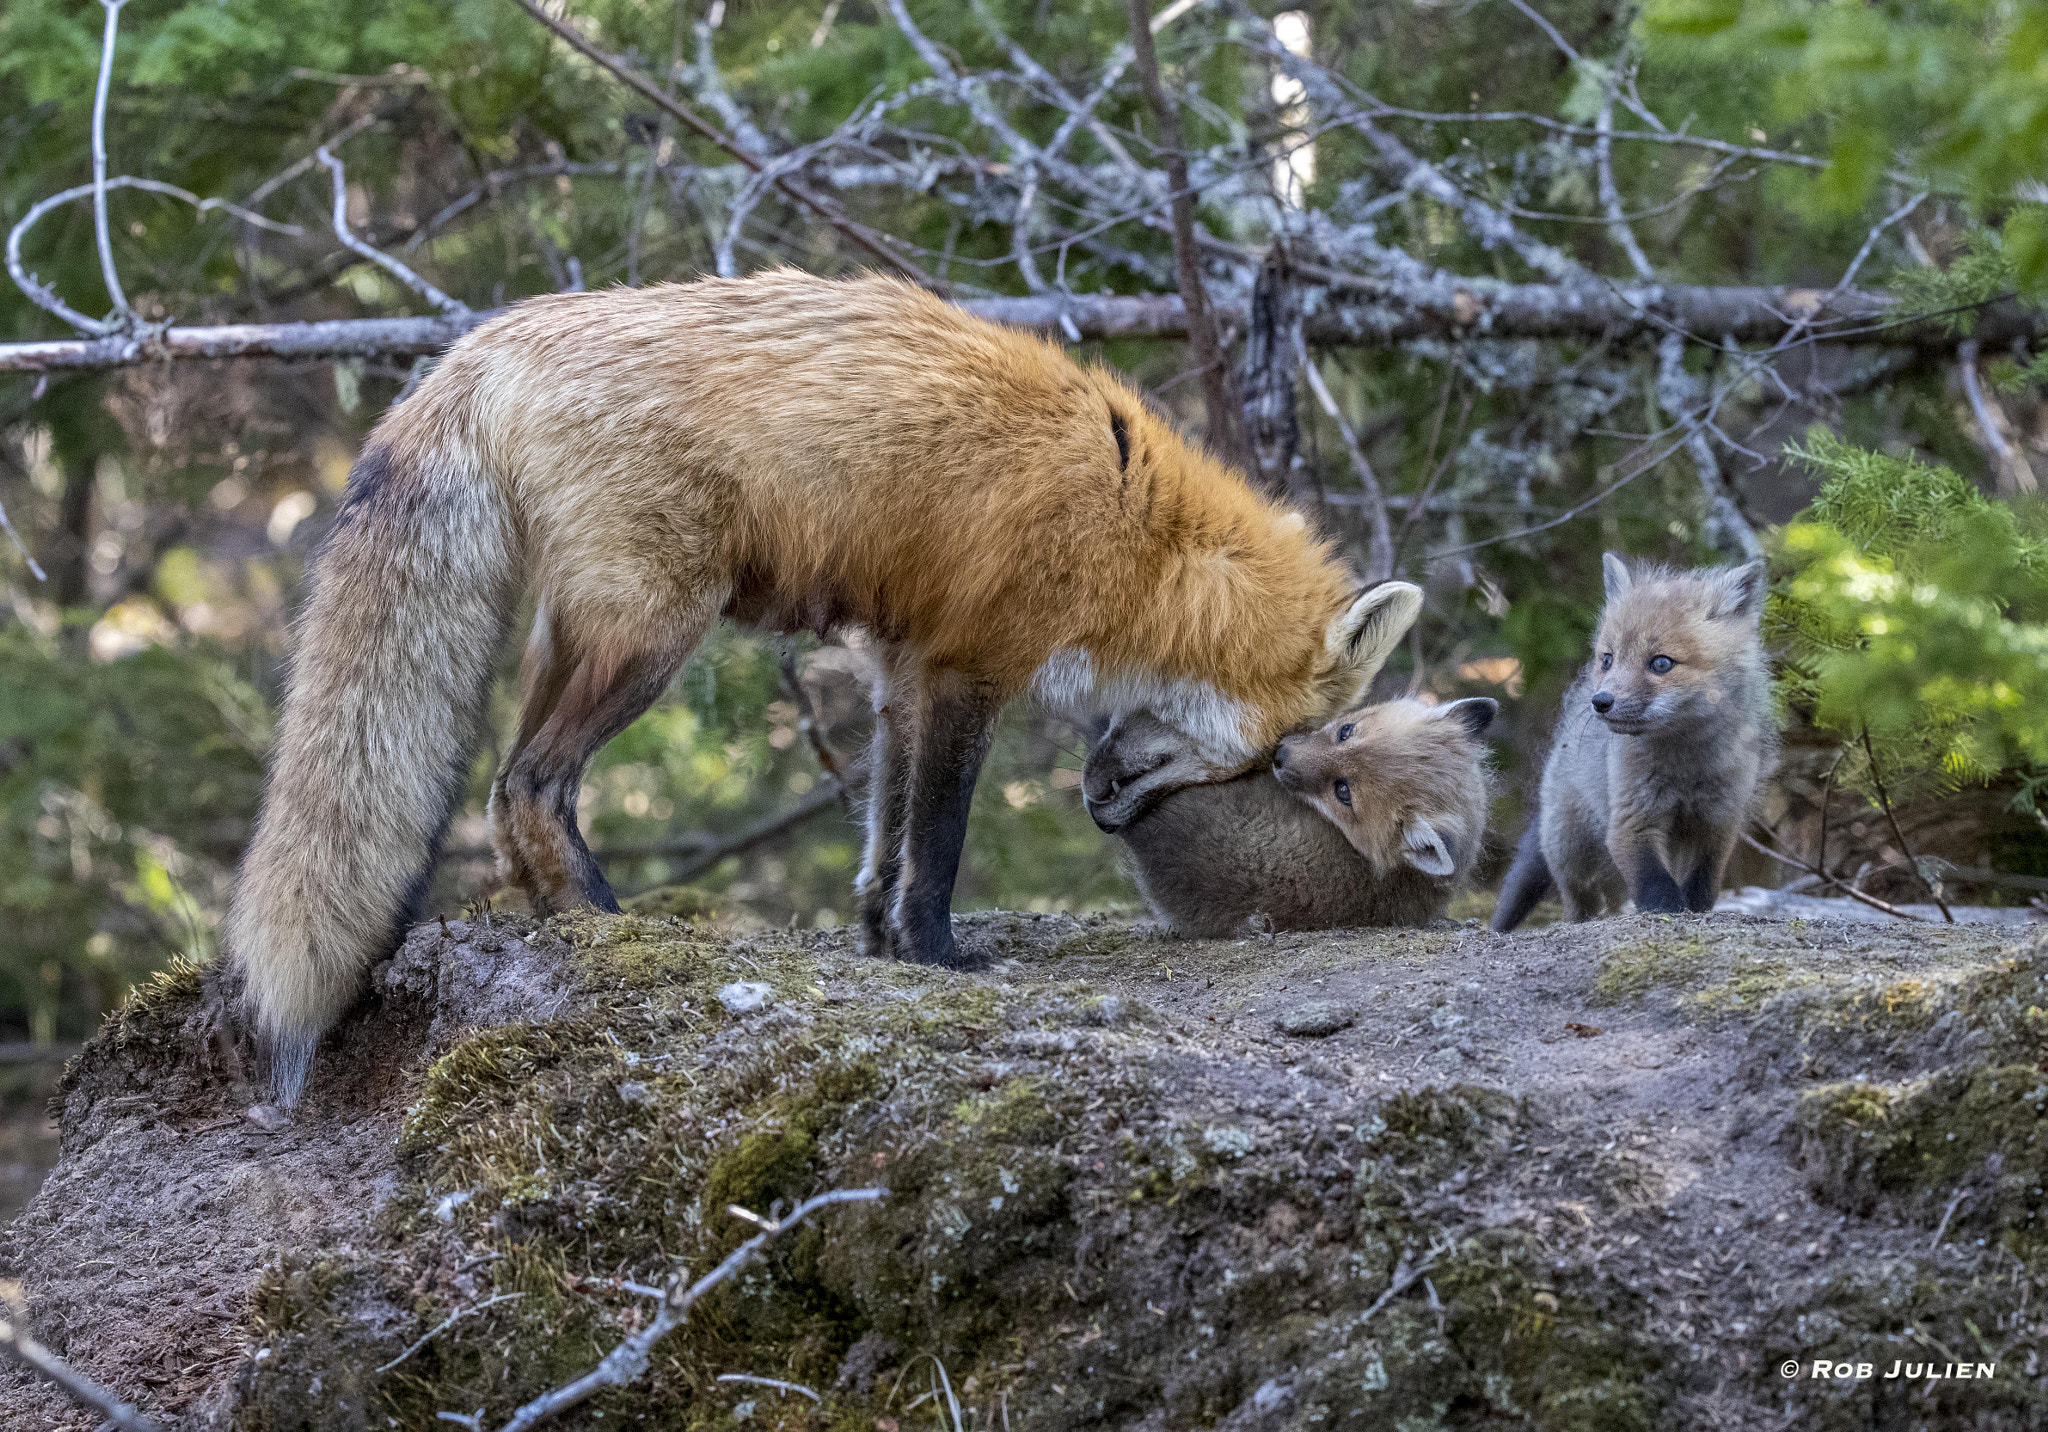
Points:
(797, 453)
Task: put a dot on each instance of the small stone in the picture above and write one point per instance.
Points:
(745, 996)
(267, 1117)
(1317, 1018)
(1272, 1395)
(632, 1091)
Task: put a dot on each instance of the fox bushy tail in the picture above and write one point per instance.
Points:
(410, 597)
(1528, 879)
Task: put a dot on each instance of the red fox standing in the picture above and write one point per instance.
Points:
(793, 452)
(1666, 736)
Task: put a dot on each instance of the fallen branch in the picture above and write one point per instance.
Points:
(1362, 312)
(775, 1383)
(33, 1355)
(626, 1362)
(446, 1323)
(1850, 890)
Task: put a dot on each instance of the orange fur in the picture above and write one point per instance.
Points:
(796, 452)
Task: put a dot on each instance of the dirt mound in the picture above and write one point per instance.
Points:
(1607, 1176)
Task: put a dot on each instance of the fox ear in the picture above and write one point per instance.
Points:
(1618, 578)
(1424, 849)
(1474, 713)
(1742, 591)
(1365, 632)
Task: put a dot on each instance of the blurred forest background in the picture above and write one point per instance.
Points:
(1492, 285)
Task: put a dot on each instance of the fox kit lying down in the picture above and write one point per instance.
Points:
(1665, 738)
(1371, 820)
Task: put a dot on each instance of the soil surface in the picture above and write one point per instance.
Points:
(1617, 1175)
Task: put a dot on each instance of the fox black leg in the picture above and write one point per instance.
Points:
(1699, 886)
(1655, 892)
(956, 718)
(540, 784)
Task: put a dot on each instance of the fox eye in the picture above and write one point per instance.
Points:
(1606, 661)
(1661, 664)
(1344, 732)
(1342, 790)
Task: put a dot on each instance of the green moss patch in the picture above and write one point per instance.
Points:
(1080, 1227)
(1629, 971)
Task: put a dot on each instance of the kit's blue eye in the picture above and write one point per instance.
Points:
(1344, 732)
(1661, 664)
(1607, 661)
(1343, 791)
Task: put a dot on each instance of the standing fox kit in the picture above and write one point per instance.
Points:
(1665, 738)
(1370, 820)
(796, 453)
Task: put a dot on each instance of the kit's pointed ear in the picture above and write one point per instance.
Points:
(1742, 591)
(1365, 633)
(1475, 713)
(1424, 849)
(1617, 574)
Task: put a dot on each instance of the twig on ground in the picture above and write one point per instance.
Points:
(1406, 1275)
(1946, 1214)
(626, 1362)
(1847, 889)
(446, 1323)
(772, 1382)
(1885, 804)
(31, 1354)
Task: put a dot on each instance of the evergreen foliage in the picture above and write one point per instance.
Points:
(1916, 614)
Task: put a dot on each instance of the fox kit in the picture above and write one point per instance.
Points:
(1665, 738)
(1371, 820)
(795, 453)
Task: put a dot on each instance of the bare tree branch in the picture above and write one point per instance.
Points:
(2014, 472)
(33, 1355)
(45, 297)
(1379, 548)
(1364, 313)
(1224, 406)
(450, 307)
(826, 209)
(1688, 401)
(122, 312)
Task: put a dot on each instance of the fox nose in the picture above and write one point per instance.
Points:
(1280, 757)
(1603, 702)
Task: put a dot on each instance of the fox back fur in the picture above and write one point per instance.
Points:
(796, 453)
(1665, 739)
(1278, 850)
